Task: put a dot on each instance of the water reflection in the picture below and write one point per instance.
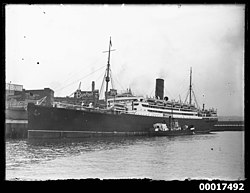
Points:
(209, 155)
(25, 152)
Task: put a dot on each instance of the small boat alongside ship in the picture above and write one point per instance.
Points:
(174, 129)
(121, 115)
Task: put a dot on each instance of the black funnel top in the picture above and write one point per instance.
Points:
(159, 88)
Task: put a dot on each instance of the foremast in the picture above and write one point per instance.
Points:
(107, 78)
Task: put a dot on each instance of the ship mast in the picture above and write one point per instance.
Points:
(190, 91)
(190, 87)
(107, 78)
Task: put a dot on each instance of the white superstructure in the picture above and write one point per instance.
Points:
(154, 107)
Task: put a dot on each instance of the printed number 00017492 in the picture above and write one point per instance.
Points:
(221, 186)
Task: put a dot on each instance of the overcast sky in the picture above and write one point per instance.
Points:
(59, 46)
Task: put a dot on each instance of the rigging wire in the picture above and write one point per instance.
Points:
(101, 76)
(181, 87)
(112, 81)
(103, 80)
(73, 72)
(114, 77)
(151, 92)
(194, 96)
(80, 78)
(186, 97)
(168, 93)
(89, 87)
(183, 93)
(196, 101)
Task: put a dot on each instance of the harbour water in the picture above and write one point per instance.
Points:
(219, 155)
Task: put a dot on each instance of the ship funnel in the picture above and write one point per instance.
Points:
(93, 86)
(159, 88)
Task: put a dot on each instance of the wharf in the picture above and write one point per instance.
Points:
(16, 123)
(16, 128)
(229, 126)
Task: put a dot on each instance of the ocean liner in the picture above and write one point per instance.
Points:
(121, 115)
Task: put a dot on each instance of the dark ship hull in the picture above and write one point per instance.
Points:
(51, 122)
